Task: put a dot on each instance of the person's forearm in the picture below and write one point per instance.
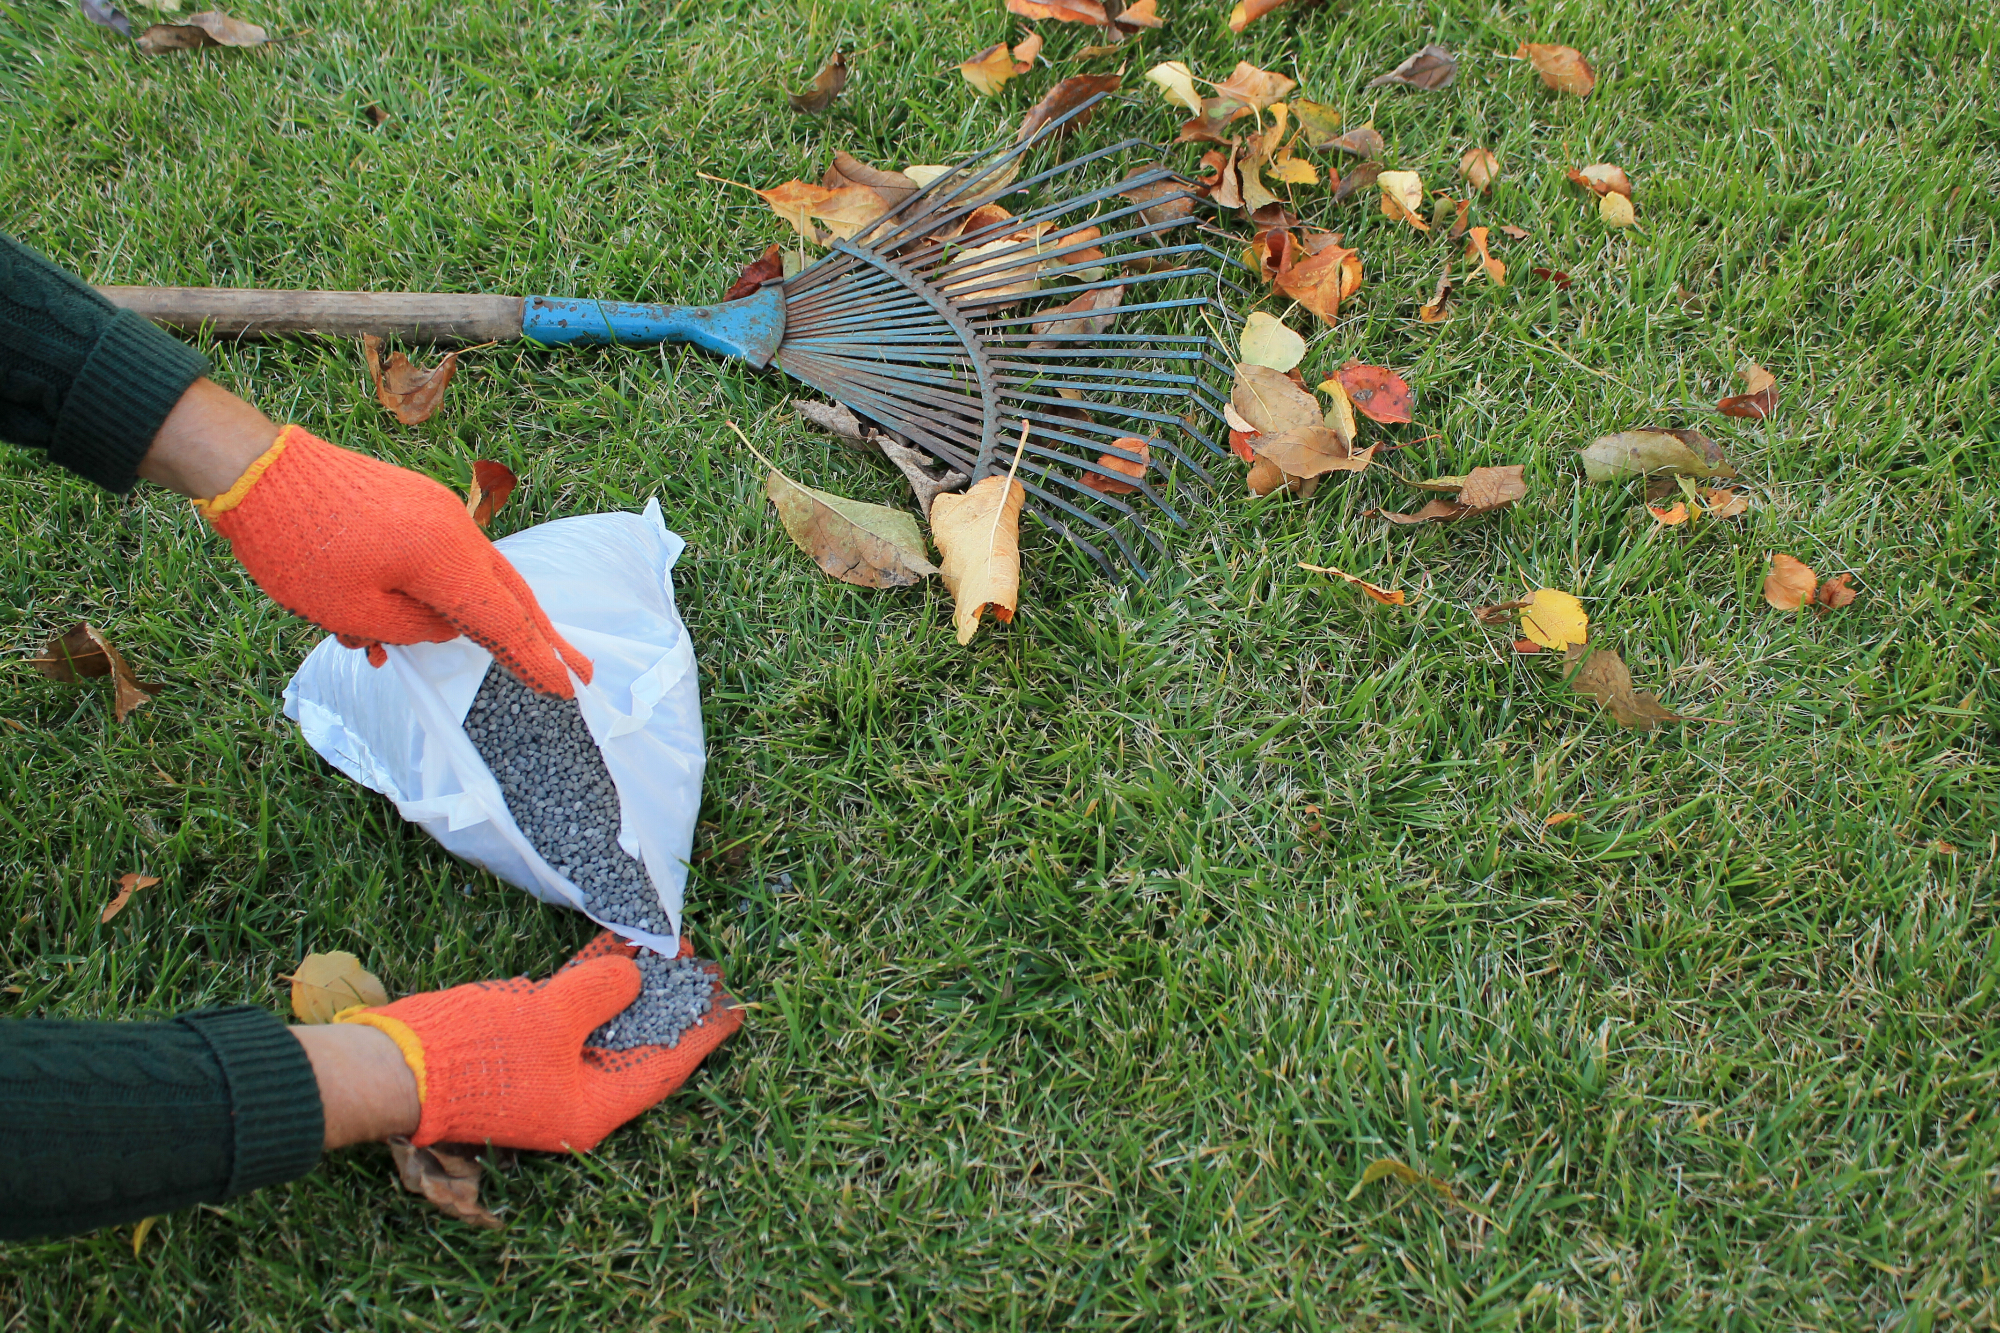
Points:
(366, 1089)
(206, 442)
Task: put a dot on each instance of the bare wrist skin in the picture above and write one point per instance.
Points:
(367, 1090)
(206, 442)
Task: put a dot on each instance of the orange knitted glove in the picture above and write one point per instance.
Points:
(504, 1061)
(377, 554)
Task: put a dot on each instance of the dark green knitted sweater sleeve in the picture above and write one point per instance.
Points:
(79, 377)
(111, 1122)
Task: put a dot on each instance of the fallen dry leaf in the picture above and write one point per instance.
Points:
(1561, 817)
(1212, 118)
(1319, 124)
(870, 545)
(1634, 453)
(1063, 98)
(1402, 196)
(1340, 410)
(1433, 311)
(1311, 450)
(82, 651)
(127, 886)
(767, 267)
(988, 71)
(1062, 11)
(978, 533)
(826, 86)
(1517, 233)
(1117, 462)
(847, 169)
(927, 477)
(1479, 168)
(1085, 316)
(1247, 12)
(1526, 647)
(326, 983)
(1759, 397)
(1836, 591)
(448, 1175)
(1139, 14)
(408, 391)
(833, 418)
(1266, 342)
(1429, 69)
(1790, 583)
(1562, 68)
(845, 209)
(1255, 88)
(1475, 247)
(1480, 491)
(492, 483)
(1672, 516)
(1385, 1167)
(1616, 211)
(1327, 275)
(1386, 596)
(1377, 392)
(1176, 81)
(211, 27)
(1602, 675)
(1725, 503)
(1557, 276)
(1498, 613)
(1175, 206)
(1554, 619)
(141, 1231)
(1601, 178)
(1269, 402)
(1363, 142)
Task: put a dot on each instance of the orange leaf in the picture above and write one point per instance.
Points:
(127, 886)
(1108, 486)
(988, 70)
(1669, 517)
(1475, 244)
(1557, 276)
(1386, 596)
(1062, 11)
(1479, 167)
(1252, 87)
(1790, 583)
(1562, 68)
(492, 483)
(412, 394)
(1247, 12)
(1526, 646)
(1377, 392)
(1759, 396)
(1835, 591)
(1140, 14)
(1562, 817)
(1323, 278)
(1601, 178)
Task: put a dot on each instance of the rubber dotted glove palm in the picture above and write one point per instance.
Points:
(505, 1062)
(378, 554)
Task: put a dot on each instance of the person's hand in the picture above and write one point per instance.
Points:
(505, 1062)
(378, 554)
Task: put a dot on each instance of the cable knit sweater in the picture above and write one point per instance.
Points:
(79, 377)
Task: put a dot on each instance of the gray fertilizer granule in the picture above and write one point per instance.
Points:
(674, 995)
(561, 795)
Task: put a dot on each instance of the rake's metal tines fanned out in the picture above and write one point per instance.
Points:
(921, 321)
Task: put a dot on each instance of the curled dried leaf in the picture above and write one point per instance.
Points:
(492, 484)
(1062, 11)
(447, 1174)
(1836, 591)
(1634, 453)
(83, 651)
(1176, 81)
(1064, 98)
(1363, 142)
(1252, 87)
(1602, 675)
(1480, 491)
(1326, 275)
(1601, 178)
(211, 27)
(407, 390)
(1386, 596)
(1128, 456)
(978, 533)
(767, 267)
(1429, 69)
(127, 886)
(1402, 196)
(826, 86)
(1759, 396)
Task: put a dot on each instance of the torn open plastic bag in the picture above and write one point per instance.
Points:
(605, 581)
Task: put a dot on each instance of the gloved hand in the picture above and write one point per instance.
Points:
(377, 554)
(504, 1061)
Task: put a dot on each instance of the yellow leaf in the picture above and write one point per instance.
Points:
(988, 70)
(1616, 210)
(1266, 342)
(1402, 196)
(1554, 619)
(979, 535)
(1339, 412)
(1562, 817)
(1291, 170)
(1176, 80)
(327, 983)
(140, 1232)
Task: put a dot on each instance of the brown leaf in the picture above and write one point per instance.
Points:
(1091, 313)
(1177, 206)
(326, 983)
(1521, 234)
(1480, 491)
(1429, 69)
(1790, 584)
(1322, 279)
(83, 651)
(1217, 114)
(1062, 11)
(1496, 614)
(411, 393)
(834, 418)
(1265, 476)
(1363, 142)
(870, 545)
(211, 27)
(1601, 178)
(1759, 396)
(848, 170)
(1311, 450)
(1526, 646)
(1602, 675)
(1357, 179)
(1386, 596)
(1116, 462)
(767, 267)
(1475, 247)
(1434, 312)
(1557, 276)
(1063, 98)
(127, 886)
(376, 115)
(492, 483)
(1836, 591)
(1252, 87)
(1562, 68)
(1270, 402)
(826, 86)
(1479, 168)
(1377, 392)
(979, 535)
(916, 467)
(448, 1175)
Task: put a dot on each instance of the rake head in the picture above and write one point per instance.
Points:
(920, 322)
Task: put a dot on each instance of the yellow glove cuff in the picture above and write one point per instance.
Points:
(232, 497)
(397, 1030)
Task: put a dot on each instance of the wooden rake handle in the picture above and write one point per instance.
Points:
(249, 312)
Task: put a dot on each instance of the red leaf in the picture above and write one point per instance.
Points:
(769, 265)
(492, 483)
(1557, 276)
(1378, 392)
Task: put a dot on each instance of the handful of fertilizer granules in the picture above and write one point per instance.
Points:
(561, 796)
(674, 995)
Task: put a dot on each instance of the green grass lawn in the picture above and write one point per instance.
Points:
(1117, 945)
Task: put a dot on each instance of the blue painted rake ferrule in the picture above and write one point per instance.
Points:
(750, 329)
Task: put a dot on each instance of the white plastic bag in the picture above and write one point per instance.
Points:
(605, 581)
